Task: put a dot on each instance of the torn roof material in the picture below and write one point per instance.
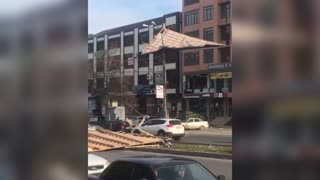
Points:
(168, 39)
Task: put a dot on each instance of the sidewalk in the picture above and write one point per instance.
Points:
(227, 131)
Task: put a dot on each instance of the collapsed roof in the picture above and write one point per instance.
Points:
(168, 39)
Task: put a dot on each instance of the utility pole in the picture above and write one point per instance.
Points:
(165, 109)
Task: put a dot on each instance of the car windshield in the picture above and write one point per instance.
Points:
(193, 171)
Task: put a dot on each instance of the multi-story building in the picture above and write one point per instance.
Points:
(207, 77)
(123, 48)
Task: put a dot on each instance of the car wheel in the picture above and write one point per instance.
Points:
(161, 133)
(201, 127)
(176, 138)
(136, 132)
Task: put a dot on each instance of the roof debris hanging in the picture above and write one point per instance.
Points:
(167, 38)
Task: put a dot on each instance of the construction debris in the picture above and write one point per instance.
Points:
(102, 139)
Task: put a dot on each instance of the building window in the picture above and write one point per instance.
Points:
(208, 55)
(172, 78)
(172, 56)
(100, 65)
(90, 47)
(208, 13)
(225, 33)
(142, 80)
(100, 83)
(144, 37)
(225, 10)
(114, 63)
(128, 61)
(193, 34)
(143, 60)
(191, 58)
(219, 85)
(128, 40)
(100, 46)
(157, 58)
(189, 2)
(114, 43)
(191, 17)
(225, 55)
(208, 34)
(212, 84)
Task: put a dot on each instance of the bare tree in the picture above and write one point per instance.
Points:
(116, 85)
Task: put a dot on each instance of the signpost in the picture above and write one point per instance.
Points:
(159, 92)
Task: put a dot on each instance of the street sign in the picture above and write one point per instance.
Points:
(219, 66)
(225, 89)
(142, 89)
(223, 75)
(159, 92)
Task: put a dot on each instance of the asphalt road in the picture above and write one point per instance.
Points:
(206, 139)
(217, 166)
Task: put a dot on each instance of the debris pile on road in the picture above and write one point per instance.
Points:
(102, 139)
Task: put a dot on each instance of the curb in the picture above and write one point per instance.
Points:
(183, 153)
(206, 144)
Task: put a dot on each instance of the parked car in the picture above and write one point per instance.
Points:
(116, 125)
(162, 127)
(96, 164)
(157, 168)
(195, 123)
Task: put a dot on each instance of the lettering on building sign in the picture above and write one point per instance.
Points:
(219, 66)
(224, 75)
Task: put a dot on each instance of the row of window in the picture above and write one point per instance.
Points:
(201, 82)
(192, 17)
(208, 33)
(190, 58)
(193, 58)
(128, 41)
(128, 81)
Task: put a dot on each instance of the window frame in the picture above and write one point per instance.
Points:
(206, 10)
(196, 61)
(191, 17)
(207, 31)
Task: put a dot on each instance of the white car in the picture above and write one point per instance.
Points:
(162, 127)
(96, 164)
(195, 123)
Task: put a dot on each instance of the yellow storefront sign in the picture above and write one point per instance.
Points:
(223, 75)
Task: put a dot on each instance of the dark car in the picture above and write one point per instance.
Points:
(157, 168)
(116, 125)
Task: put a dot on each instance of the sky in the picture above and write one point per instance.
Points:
(107, 14)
